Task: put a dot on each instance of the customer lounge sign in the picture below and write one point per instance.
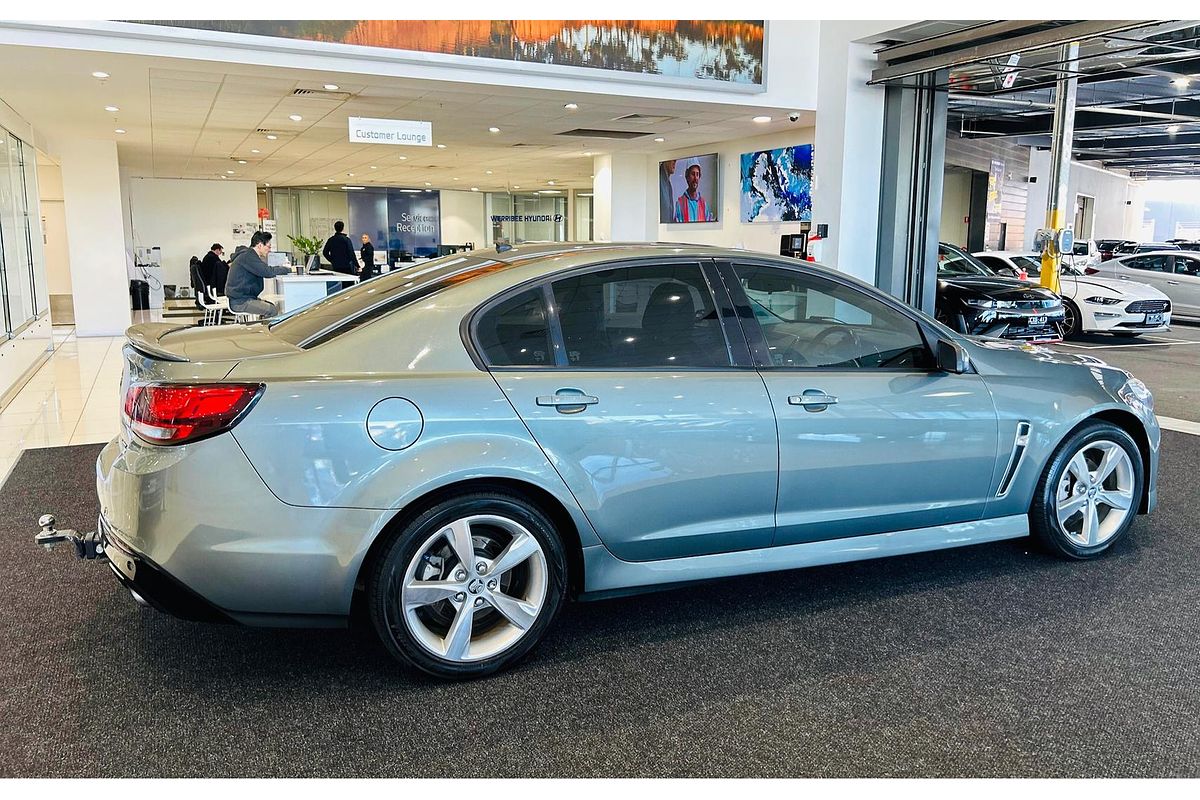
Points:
(364, 130)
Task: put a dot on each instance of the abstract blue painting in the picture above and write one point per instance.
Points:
(777, 185)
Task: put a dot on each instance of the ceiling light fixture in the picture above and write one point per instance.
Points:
(119, 130)
(588, 153)
(272, 136)
(111, 109)
(240, 161)
(441, 147)
(493, 129)
(100, 75)
(474, 188)
(412, 191)
(266, 184)
(374, 167)
(354, 187)
(295, 117)
(331, 87)
(456, 179)
(254, 151)
(659, 139)
(516, 186)
(762, 119)
(487, 172)
(349, 174)
(403, 158)
(229, 172)
(427, 183)
(549, 183)
(571, 106)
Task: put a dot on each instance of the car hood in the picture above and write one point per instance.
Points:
(213, 343)
(1130, 289)
(1000, 288)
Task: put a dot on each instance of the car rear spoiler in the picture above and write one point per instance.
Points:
(145, 338)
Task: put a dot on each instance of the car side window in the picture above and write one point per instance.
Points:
(1151, 263)
(997, 265)
(1186, 266)
(515, 333)
(653, 316)
(812, 322)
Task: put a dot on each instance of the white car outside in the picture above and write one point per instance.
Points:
(1093, 303)
(1175, 273)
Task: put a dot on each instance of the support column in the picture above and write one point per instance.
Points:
(914, 159)
(1060, 162)
(623, 206)
(95, 236)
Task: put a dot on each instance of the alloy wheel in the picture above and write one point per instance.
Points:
(473, 589)
(1071, 321)
(1094, 497)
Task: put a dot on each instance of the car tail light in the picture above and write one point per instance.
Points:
(168, 413)
(1091, 271)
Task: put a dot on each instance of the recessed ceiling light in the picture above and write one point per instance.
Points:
(403, 158)
(295, 117)
(659, 139)
(240, 161)
(254, 151)
(266, 184)
(119, 130)
(427, 183)
(331, 87)
(1172, 129)
(374, 167)
(354, 187)
(493, 129)
(272, 136)
(588, 153)
(474, 188)
(762, 118)
(100, 75)
(549, 183)
(111, 109)
(429, 190)
(441, 147)
(516, 186)
(349, 174)
(324, 187)
(456, 179)
(487, 172)
(229, 172)
(224, 177)
(571, 106)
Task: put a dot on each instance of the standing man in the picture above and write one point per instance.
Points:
(246, 273)
(690, 206)
(368, 259)
(213, 269)
(339, 251)
(666, 211)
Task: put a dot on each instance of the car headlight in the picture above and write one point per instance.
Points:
(980, 303)
(1135, 393)
(1103, 301)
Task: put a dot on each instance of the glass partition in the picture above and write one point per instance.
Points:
(526, 217)
(22, 272)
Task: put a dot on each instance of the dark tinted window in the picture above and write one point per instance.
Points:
(1152, 263)
(1187, 266)
(515, 332)
(996, 265)
(653, 316)
(811, 322)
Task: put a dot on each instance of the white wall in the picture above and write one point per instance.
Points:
(463, 218)
(95, 240)
(1118, 199)
(58, 265)
(184, 217)
(729, 230)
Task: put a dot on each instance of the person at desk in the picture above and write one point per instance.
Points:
(246, 273)
(213, 269)
(339, 251)
(368, 259)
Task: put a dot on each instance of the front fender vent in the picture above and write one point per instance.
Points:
(1020, 445)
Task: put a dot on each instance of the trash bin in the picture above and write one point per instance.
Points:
(139, 295)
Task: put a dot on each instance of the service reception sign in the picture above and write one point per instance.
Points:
(364, 130)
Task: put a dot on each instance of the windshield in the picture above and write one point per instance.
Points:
(1032, 264)
(369, 300)
(952, 261)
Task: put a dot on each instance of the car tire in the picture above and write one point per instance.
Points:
(502, 612)
(1072, 322)
(1072, 514)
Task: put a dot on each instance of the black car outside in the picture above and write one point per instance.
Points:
(1130, 248)
(973, 300)
(1107, 247)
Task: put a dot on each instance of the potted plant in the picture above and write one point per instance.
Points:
(307, 245)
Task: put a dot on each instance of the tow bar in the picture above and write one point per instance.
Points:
(88, 545)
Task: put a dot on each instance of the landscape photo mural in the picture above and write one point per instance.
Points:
(777, 185)
(714, 50)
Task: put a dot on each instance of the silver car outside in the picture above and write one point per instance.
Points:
(387, 468)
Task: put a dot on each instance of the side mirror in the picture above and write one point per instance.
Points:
(952, 357)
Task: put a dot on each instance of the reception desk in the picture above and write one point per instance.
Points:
(293, 291)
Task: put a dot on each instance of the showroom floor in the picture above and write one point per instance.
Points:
(993, 660)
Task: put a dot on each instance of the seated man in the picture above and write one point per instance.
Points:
(246, 274)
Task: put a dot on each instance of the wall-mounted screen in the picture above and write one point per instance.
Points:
(688, 189)
(777, 184)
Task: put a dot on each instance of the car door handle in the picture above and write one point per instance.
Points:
(812, 400)
(568, 401)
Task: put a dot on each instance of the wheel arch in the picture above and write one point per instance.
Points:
(540, 497)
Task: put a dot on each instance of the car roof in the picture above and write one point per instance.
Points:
(1008, 253)
(1171, 252)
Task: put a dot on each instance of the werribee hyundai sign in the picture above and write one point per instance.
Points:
(391, 131)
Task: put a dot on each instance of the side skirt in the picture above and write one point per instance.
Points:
(607, 575)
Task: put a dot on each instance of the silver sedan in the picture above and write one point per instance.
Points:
(454, 450)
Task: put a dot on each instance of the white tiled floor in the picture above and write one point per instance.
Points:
(75, 398)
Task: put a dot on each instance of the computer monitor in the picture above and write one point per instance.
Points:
(278, 259)
(313, 264)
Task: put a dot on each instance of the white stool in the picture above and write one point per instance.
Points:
(213, 312)
(244, 317)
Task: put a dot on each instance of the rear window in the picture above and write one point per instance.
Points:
(355, 307)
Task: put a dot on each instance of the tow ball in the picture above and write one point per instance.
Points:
(87, 545)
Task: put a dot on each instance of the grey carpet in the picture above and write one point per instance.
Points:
(992, 661)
